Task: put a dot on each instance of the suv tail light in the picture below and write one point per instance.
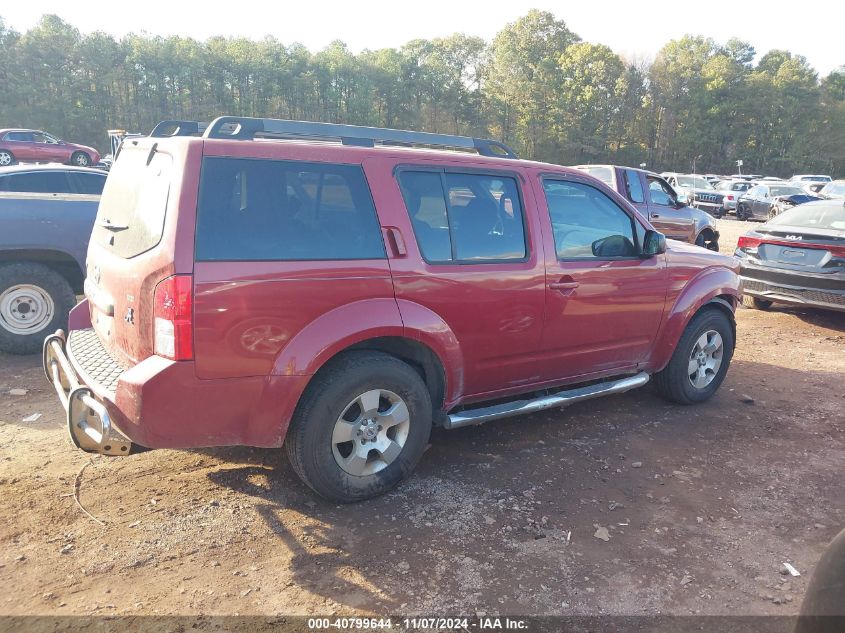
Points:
(173, 318)
(748, 244)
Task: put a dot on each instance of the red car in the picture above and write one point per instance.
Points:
(341, 298)
(33, 146)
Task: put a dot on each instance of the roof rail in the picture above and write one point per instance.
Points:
(178, 128)
(246, 128)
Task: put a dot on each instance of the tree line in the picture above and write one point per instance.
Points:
(536, 86)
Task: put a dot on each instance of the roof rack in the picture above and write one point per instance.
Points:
(247, 128)
(178, 128)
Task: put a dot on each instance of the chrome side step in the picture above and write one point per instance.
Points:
(559, 399)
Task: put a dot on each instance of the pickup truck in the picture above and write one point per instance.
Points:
(659, 202)
(338, 290)
(47, 213)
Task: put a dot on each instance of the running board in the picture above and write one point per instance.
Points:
(559, 399)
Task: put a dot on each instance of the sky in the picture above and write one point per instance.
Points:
(631, 28)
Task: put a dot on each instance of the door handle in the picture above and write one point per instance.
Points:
(396, 241)
(567, 283)
(655, 215)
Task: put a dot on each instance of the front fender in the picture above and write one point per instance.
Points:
(699, 291)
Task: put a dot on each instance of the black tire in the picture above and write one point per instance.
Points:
(673, 382)
(309, 442)
(756, 304)
(80, 159)
(46, 280)
(6, 158)
(740, 212)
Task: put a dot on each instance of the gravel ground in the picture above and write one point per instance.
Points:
(626, 505)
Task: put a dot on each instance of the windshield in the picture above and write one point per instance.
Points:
(834, 189)
(814, 178)
(694, 182)
(816, 216)
(787, 191)
(605, 174)
(130, 219)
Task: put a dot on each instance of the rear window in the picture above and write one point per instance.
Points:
(253, 210)
(813, 216)
(130, 219)
(91, 184)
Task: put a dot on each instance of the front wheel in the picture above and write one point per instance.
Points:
(700, 361)
(361, 427)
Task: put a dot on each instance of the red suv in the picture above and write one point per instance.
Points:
(263, 285)
(32, 146)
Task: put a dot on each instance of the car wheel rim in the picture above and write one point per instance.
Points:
(25, 309)
(371, 432)
(5, 159)
(82, 160)
(705, 359)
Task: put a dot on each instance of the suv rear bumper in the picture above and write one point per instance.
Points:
(88, 420)
(161, 403)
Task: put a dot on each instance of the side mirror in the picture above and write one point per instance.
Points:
(654, 243)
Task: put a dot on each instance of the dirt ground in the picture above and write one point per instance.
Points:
(701, 506)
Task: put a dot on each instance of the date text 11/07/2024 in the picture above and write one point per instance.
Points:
(419, 623)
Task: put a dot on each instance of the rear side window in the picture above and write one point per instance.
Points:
(465, 217)
(39, 182)
(130, 218)
(252, 210)
(90, 184)
(634, 186)
(26, 137)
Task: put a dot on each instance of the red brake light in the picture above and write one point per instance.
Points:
(173, 318)
(748, 243)
(730, 197)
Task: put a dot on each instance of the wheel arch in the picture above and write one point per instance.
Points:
(59, 261)
(714, 288)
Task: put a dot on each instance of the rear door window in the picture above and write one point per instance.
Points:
(40, 182)
(90, 184)
(252, 210)
(472, 218)
(130, 218)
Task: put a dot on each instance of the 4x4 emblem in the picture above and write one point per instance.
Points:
(129, 317)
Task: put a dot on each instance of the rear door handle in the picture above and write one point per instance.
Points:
(564, 284)
(655, 215)
(396, 241)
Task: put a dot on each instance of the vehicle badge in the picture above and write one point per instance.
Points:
(794, 237)
(129, 317)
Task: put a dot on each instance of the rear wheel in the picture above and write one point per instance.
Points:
(700, 361)
(753, 302)
(361, 427)
(80, 159)
(34, 302)
(6, 158)
(740, 212)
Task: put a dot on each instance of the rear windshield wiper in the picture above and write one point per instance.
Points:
(106, 224)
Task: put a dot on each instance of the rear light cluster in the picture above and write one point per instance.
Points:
(173, 318)
(748, 244)
(730, 197)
